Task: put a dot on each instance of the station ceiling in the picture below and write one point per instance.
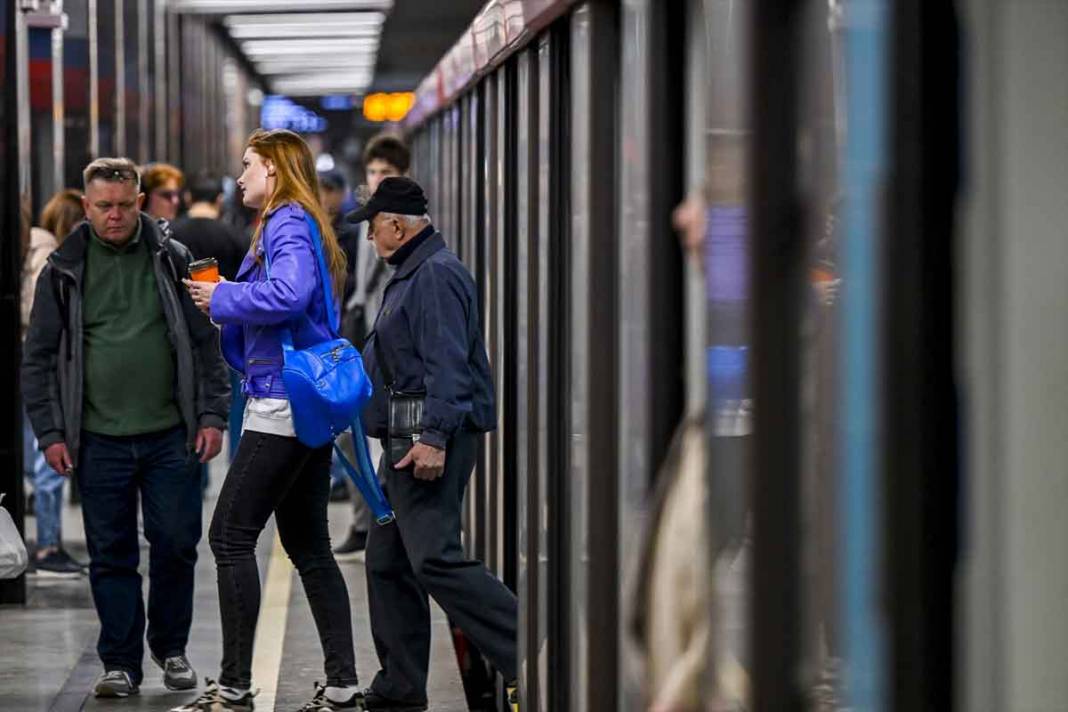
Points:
(320, 47)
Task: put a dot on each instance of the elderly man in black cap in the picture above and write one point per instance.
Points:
(433, 399)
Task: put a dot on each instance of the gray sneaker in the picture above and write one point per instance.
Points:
(115, 683)
(178, 674)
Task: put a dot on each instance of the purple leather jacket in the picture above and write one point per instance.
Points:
(252, 308)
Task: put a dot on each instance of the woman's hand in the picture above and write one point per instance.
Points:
(201, 293)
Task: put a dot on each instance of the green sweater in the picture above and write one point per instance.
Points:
(129, 361)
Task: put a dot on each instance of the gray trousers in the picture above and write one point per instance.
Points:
(419, 554)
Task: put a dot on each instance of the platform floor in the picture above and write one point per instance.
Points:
(47, 649)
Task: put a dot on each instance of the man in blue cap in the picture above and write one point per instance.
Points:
(432, 401)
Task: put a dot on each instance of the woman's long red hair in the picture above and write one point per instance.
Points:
(296, 181)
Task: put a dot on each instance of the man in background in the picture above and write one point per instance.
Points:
(385, 156)
(334, 194)
(206, 234)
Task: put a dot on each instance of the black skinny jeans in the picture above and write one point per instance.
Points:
(277, 474)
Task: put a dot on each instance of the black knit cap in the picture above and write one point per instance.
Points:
(395, 194)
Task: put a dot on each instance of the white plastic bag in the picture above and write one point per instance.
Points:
(13, 556)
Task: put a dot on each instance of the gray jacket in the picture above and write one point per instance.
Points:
(53, 355)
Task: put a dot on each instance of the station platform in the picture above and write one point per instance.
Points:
(48, 660)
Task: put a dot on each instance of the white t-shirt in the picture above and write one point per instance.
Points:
(269, 415)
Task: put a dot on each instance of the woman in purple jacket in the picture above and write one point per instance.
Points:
(273, 471)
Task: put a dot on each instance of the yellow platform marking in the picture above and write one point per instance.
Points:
(271, 628)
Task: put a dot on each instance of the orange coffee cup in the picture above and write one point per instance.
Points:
(205, 270)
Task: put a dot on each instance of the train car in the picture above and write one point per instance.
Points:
(674, 212)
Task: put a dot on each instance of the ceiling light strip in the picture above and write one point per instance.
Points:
(259, 6)
(325, 32)
(303, 18)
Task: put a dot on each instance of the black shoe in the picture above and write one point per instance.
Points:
(352, 548)
(322, 703)
(58, 564)
(374, 701)
(67, 557)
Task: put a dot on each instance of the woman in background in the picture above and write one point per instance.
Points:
(59, 216)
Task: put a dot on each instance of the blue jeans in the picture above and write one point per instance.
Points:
(112, 472)
(47, 490)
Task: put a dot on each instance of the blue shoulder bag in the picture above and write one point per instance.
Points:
(328, 389)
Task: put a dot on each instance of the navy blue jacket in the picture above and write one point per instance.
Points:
(428, 330)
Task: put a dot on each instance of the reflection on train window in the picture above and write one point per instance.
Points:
(819, 130)
(713, 225)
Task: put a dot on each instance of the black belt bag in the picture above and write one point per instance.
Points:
(405, 413)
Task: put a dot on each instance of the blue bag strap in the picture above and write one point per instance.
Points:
(324, 277)
(284, 334)
(365, 478)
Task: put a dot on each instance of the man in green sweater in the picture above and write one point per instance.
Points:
(126, 390)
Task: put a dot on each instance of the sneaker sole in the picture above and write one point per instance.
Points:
(351, 556)
(40, 573)
(180, 685)
(111, 693)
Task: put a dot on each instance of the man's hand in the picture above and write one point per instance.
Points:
(429, 461)
(58, 457)
(209, 443)
(201, 293)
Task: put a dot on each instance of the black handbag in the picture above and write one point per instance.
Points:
(405, 423)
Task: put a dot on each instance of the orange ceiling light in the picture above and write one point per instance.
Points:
(381, 106)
